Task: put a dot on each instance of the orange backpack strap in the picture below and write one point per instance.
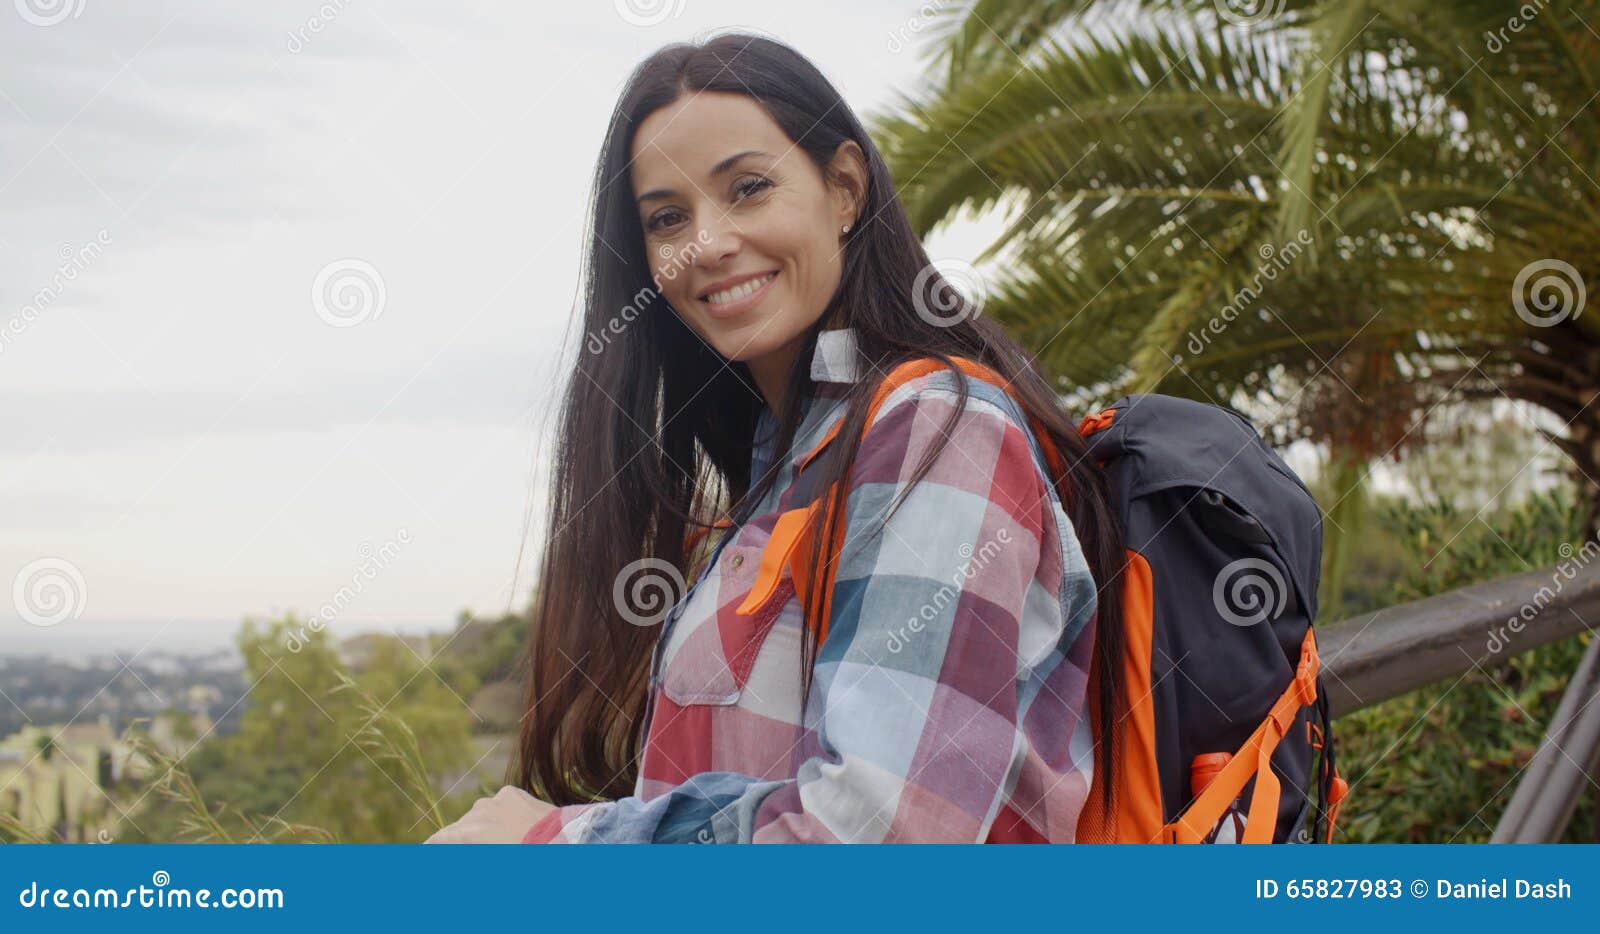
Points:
(1135, 807)
(1336, 796)
(911, 369)
(1254, 758)
(791, 537)
(786, 536)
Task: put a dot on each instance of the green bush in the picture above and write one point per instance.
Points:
(322, 753)
(1440, 764)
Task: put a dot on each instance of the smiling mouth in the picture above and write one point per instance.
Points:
(730, 296)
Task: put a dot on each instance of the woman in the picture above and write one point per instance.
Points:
(751, 276)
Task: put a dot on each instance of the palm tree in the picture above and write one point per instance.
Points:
(1339, 214)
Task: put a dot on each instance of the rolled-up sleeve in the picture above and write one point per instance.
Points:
(940, 609)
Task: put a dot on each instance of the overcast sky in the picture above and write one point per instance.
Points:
(185, 438)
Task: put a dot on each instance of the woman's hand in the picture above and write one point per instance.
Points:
(504, 818)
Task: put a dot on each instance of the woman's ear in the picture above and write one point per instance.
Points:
(848, 173)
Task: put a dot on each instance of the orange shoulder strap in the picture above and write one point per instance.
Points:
(1132, 811)
(1254, 758)
(791, 537)
(912, 369)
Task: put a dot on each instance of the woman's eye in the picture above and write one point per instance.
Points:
(746, 187)
(742, 189)
(662, 220)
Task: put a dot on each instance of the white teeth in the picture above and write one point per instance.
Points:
(739, 291)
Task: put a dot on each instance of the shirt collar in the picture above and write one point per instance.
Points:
(835, 367)
(835, 359)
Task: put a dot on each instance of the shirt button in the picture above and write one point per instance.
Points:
(737, 560)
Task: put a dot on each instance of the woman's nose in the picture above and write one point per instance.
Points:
(720, 238)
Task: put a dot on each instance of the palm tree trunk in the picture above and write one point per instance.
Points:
(1342, 527)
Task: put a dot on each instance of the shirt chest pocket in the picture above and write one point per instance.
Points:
(712, 649)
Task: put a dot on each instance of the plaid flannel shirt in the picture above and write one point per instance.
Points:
(948, 700)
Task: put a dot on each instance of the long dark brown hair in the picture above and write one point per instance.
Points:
(656, 426)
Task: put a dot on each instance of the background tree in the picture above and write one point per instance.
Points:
(1337, 215)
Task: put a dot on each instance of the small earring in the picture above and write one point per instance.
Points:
(845, 229)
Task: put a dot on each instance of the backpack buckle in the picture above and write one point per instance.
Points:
(1099, 421)
(1305, 673)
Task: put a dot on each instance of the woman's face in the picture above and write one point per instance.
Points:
(742, 230)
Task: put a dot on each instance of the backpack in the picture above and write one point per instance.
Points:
(1220, 675)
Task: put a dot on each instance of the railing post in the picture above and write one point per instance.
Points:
(1559, 772)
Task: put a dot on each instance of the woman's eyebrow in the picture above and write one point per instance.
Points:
(662, 194)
